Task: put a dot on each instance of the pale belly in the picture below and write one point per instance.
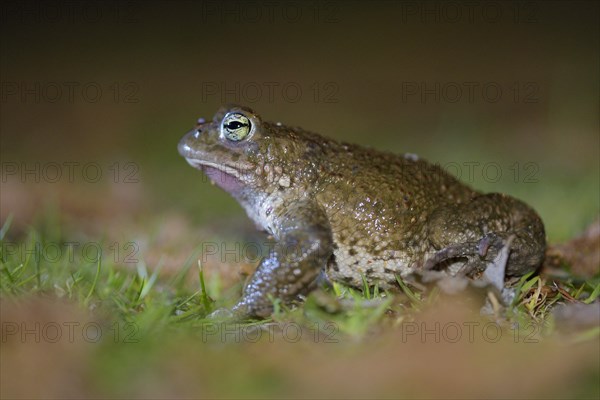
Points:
(351, 266)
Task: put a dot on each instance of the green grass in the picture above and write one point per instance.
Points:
(143, 294)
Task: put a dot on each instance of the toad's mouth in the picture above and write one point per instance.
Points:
(227, 178)
(207, 165)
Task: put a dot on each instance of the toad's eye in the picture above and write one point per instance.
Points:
(235, 126)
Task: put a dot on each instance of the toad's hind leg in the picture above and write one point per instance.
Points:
(478, 230)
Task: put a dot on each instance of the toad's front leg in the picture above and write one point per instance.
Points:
(304, 244)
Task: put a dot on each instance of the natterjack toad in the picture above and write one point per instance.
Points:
(351, 213)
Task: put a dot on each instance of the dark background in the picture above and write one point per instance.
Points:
(394, 76)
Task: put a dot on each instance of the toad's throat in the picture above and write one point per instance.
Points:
(226, 177)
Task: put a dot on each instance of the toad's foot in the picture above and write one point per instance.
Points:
(239, 313)
(221, 315)
(476, 256)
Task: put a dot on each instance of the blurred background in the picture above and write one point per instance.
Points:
(95, 96)
(503, 94)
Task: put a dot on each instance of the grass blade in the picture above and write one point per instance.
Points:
(204, 295)
(6, 226)
(594, 295)
(89, 295)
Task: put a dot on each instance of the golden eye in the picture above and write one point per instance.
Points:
(235, 126)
